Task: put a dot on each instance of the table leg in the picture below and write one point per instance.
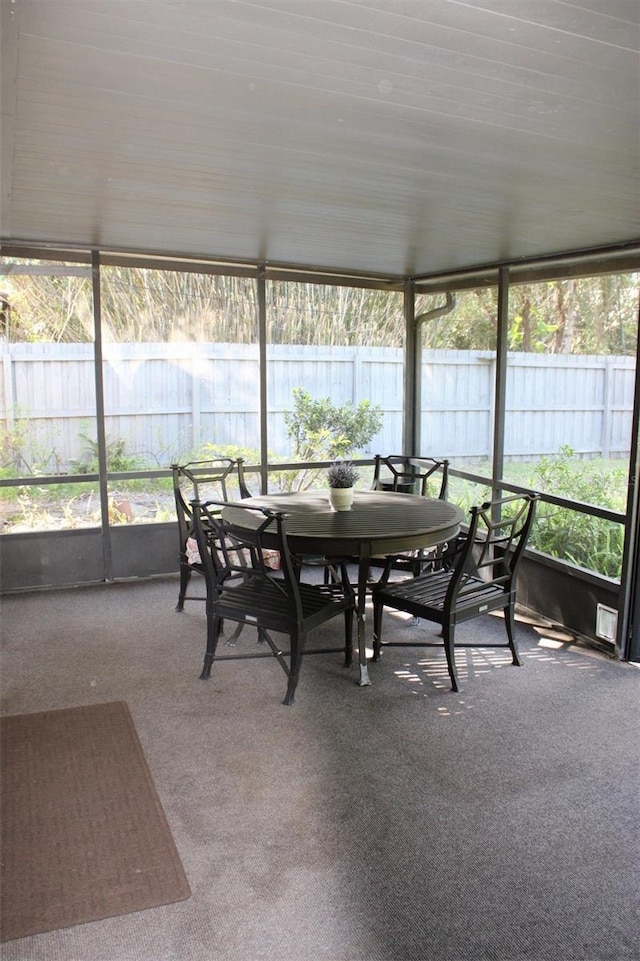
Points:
(363, 576)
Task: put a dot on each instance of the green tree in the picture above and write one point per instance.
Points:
(576, 315)
(320, 430)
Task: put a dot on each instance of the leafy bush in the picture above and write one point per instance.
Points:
(117, 458)
(21, 453)
(320, 430)
(586, 541)
(581, 539)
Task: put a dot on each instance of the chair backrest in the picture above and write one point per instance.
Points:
(411, 475)
(202, 480)
(235, 541)
(493, 548)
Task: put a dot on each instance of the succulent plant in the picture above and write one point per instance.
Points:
(342, 474)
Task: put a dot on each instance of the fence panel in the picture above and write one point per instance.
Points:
(565, 399)
(164, 400)
(52, 386)
(457, 404)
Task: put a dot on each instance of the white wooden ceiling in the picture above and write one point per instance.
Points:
(393, 137)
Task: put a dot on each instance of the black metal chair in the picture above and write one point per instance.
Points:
(232, 540)
(219, 478)
(426, 476)
(481, 577)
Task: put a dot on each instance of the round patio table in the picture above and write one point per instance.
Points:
(379, 522)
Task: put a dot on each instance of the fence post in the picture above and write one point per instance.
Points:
(9, 387)
(356, 379)
(607, 408)
(196, 399)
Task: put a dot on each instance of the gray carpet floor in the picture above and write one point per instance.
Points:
(397, 822)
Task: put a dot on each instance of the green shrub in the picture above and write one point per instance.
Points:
(320, 430)
(582, 539)
(117, 458)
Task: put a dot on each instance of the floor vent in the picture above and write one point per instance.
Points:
(606, 622)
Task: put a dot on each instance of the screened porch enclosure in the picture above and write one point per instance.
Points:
(213, 365)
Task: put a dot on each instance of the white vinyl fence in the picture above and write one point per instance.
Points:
(164, 400)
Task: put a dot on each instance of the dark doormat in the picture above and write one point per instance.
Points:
(84, 835)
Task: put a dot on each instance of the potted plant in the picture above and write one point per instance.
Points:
(341, 477)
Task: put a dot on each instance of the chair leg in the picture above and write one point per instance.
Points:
(185, 577)
(448, 634)
(348, 638)
(509, 621)
(214, 625)
(291, 690)
(377, 630)
(297, 646)
(237, 631)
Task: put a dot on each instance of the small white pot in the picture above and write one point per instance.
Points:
(341, 498)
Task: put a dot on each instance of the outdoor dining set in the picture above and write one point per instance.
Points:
(285, 563)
